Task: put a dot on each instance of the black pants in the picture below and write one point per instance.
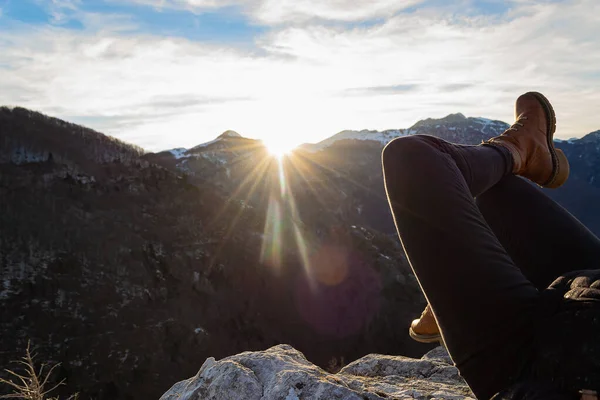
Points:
(483, 245)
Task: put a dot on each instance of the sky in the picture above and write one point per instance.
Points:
(176, 73)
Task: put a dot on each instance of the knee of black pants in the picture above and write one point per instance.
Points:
(409, 152)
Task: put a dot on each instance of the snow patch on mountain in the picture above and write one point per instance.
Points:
(178, 152)
(382, 137)
(223, 136)
(570, 141)
(485, 123)
(24, 156)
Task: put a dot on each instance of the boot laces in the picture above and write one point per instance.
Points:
(517, 124)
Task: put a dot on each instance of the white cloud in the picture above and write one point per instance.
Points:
(195, 6)
(308, 82)
(189, 4)
(552, 48)
(275, 12)
(292, 11)
(60, 11)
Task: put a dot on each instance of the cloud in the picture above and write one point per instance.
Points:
(61, 11)
(116, 76)
(550, 47)
(455, 87)
(197, 6)
(277, 12)
(293, 11)
(307, 81)
(382, 90)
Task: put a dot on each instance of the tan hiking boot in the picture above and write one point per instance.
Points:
(425, 329)
(530, 141)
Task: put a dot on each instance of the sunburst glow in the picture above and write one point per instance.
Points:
(279, 178)
(279, 148)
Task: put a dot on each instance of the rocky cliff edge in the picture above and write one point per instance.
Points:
(282, 372)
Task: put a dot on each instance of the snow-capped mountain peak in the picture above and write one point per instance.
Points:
(223, 136)
(451, 125)
(378, 136)
(449, 119)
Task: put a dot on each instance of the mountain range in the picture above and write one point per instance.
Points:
(130, 268)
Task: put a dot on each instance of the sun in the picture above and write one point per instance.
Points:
(278, 148)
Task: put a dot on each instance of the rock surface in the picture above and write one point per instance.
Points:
(282, 372)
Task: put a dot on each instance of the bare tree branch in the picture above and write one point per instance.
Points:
(33, 384)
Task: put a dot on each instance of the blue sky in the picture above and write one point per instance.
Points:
(173, 73)
(229, 25)
(226, 25)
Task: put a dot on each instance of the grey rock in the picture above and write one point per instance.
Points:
(438, 354)
(283, 373)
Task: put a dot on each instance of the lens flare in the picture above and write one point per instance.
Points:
(271, 246)
(331, 265)
(303, 249)
(330, 270)
(282, 180)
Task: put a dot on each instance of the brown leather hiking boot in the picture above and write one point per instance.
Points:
(425, 329)
(530, 141)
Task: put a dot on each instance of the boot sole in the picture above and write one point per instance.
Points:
(424, 338)
(560, 164)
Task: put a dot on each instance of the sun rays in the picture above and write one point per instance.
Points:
(282, 214)
(270, 180)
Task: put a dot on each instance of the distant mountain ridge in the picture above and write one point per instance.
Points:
(466, 130)
(486, 127)
(222, 160)
(75, 145)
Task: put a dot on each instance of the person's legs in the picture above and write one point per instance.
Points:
(518, 212)
(483, 303)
